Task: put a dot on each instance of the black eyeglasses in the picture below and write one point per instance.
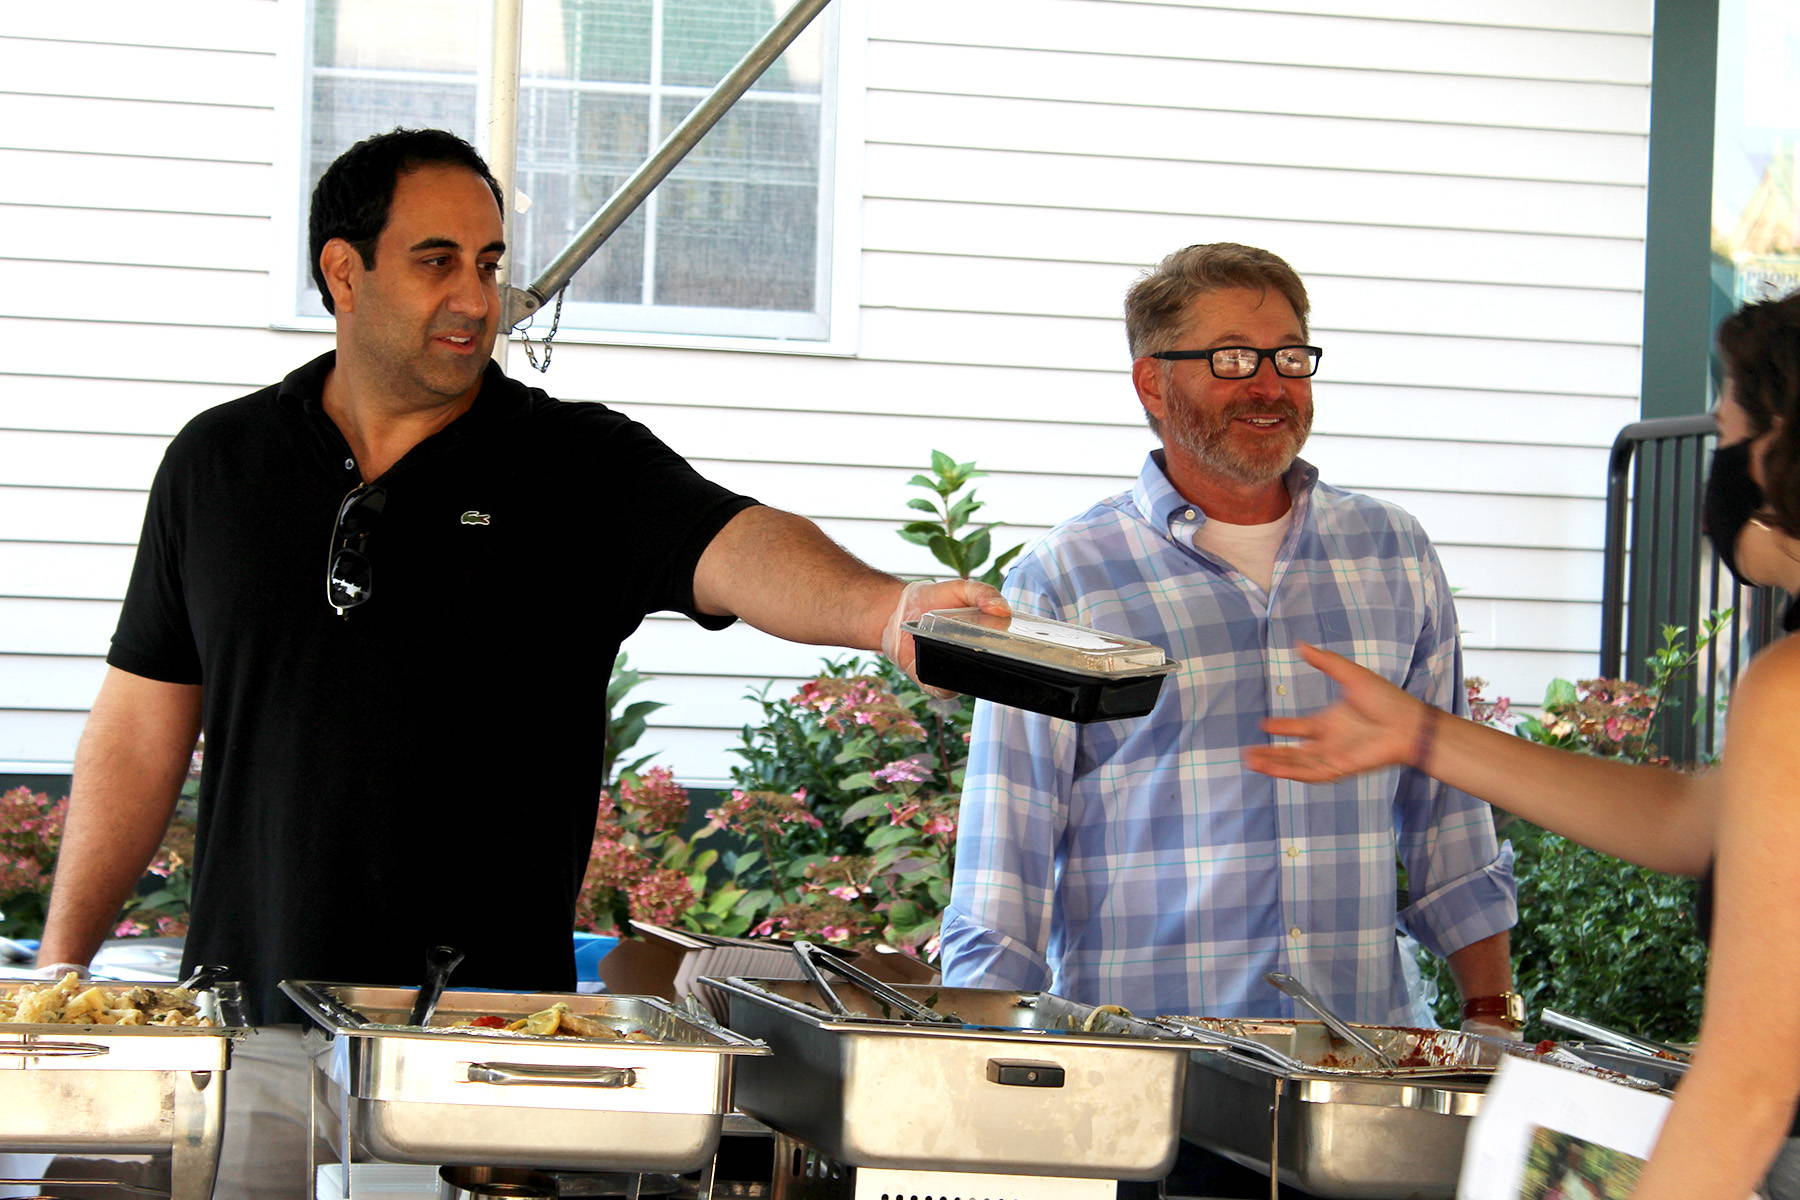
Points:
(1241, 362)
(348, 578)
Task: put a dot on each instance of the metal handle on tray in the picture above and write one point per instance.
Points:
(530, 1073)
(52, 1050)
(1019, 1072)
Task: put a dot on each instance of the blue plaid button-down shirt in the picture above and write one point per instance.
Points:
(1140, 862)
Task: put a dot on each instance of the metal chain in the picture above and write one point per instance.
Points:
(555, 321)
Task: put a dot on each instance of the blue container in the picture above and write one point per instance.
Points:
(590, 948)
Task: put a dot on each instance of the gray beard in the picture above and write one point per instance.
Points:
(1209, 442)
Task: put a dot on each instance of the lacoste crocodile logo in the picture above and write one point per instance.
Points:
(476, 518)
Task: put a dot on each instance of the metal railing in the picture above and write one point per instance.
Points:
(1659, 571)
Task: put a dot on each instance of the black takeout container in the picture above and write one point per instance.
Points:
(1044, 666)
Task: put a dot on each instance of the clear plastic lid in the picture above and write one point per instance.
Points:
(1040, 640)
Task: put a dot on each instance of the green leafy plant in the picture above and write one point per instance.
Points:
(952, 535)
(845, 810)
(1597, 937)
(641, 867)
(625, 723)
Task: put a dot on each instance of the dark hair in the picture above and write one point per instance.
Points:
(1157, 302)
(1760, 344)
(352, 198)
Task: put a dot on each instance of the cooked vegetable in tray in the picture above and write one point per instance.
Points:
(75, 1001)
(555, 1021)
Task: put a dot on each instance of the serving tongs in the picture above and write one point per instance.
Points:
(812, 958)
(1614, 1039)
(1247, 1046)
(1299, 991)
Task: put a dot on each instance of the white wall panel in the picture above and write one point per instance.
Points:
(1225, 86)
(1388, 194)
(1321, 245)
(74, 404)
(83, 291)
(82, 628)
(36, 741)
(65, 571)
(125, 182)
(52, 683)
(65, 514)
(244, 358)
(1327, 143)
(1590, 16)
(136, 127)
(1489, 623)
(247, 25)
(1515, 574)
(1357, 356)
(1054, 288)
(1194, 35)
(134, 238)
(29, 458)
(52, 67)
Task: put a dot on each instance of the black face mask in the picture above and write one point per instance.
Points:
(1732, 498)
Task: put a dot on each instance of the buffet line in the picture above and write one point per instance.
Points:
(872, 1090)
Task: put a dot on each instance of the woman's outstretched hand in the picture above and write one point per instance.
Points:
(1374, 724)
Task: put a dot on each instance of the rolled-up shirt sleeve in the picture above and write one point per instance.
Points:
(998, 925)
(1459, 879)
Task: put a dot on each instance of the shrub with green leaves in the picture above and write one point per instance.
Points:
(845, 810)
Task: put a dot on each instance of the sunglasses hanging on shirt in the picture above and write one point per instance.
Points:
(348, 577)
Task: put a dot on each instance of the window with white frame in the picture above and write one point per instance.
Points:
(735, 242)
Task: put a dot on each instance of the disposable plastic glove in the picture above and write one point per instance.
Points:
(923, 596)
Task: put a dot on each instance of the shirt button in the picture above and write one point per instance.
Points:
(349, 464)
(1189, 514)
(1281, 689)
(1293, 852)
(1294, 932)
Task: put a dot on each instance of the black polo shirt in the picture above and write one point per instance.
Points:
(423, 770)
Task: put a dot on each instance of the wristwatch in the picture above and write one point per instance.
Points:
(1507, 1006)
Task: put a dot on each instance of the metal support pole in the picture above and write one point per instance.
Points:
(501, 142)
(520, 304)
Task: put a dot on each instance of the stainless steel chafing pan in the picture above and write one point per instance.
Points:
(1013, 1083)
(1318, 1115)
(122, 1089)
(484, 1097)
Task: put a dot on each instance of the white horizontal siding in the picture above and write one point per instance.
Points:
(1443, 44)
(1426, 149)
(1321, 245)
(1462, 186)
(1223, 86)
(241, 25)
(1388, 197)
(123, 182)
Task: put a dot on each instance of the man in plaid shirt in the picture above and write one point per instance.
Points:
(1139, 862)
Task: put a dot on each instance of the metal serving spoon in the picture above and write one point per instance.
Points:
(1299, 991)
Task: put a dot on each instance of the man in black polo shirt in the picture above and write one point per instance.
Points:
(390, 590)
